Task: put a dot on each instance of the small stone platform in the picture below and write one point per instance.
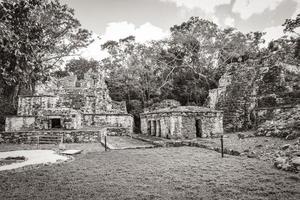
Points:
(125, 142)
(84, 135)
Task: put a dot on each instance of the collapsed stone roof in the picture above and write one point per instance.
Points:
(181, 109)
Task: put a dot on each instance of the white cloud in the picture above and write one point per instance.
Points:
(215, 20)
(229, 21)
(144, 33)
(273, 33)
(119, 30)
(148, 32)
(247, 8)
(94, 49)
(206, 5)
(297, 11)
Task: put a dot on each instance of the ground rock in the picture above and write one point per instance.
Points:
(286, 146)
(295, 161)
(292, 136)
(285, 124)
(241, 136)
(251, 155)
(280, 161)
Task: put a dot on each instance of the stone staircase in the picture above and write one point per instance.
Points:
(44, 139)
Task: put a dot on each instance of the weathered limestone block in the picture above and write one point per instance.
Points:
(189, 127)
(30, 105)
(106, 120)
(182, 122)
(68, 136)
(19, 123)
(245, 88)
(163, 104)
(283, 123)
(74, 103)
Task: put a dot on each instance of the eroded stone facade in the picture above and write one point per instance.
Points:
(182, 122)
(249, 95)
(70, 104)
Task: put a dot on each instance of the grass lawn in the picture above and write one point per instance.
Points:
(264, 147)
(159, 173)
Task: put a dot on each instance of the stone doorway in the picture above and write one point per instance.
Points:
(55, 123)
(149, 128)
(154, 128)
(158, 129)
(198, 125)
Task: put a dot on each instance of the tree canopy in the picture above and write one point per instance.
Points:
(183, 67)
(35, 35)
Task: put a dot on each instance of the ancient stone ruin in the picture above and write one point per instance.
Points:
(259, 97)
(170, 120)
(80, 109)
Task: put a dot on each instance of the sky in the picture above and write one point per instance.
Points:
(152, 19)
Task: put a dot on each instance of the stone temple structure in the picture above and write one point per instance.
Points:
(79, 108)
(170, 120)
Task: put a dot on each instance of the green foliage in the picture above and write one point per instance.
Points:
(182, 67)
(34, 37)
(81, 66)
(292, 24)
(268, 101)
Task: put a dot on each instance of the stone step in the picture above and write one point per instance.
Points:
(44, 139)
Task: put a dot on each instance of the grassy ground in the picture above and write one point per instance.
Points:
(263, 147)
(159, 173)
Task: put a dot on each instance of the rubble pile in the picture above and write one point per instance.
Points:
(285, 124)
(288, 157)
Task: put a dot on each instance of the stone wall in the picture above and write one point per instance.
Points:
(188, 127)
(15, 123)
(68, 136)
(244, 89)
(30, 105)
(102, 120)
(72, 104)
(182, 125)
(70, 119)
(89, 95)
(212, 124)
(74, 136)
(215, 94)
(281, 122)
(163, 104)
(163, 125)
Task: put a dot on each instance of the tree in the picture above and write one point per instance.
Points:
(81, 66)
(35, 35)
(131, 75)
(292, 24)
(202, 47)
(183, 67)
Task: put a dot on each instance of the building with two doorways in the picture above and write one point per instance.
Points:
(182, 122)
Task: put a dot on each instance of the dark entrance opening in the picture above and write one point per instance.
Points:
(154, 128)
(159, 128)
(149, 128)
(198, 128)
(55, 123)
